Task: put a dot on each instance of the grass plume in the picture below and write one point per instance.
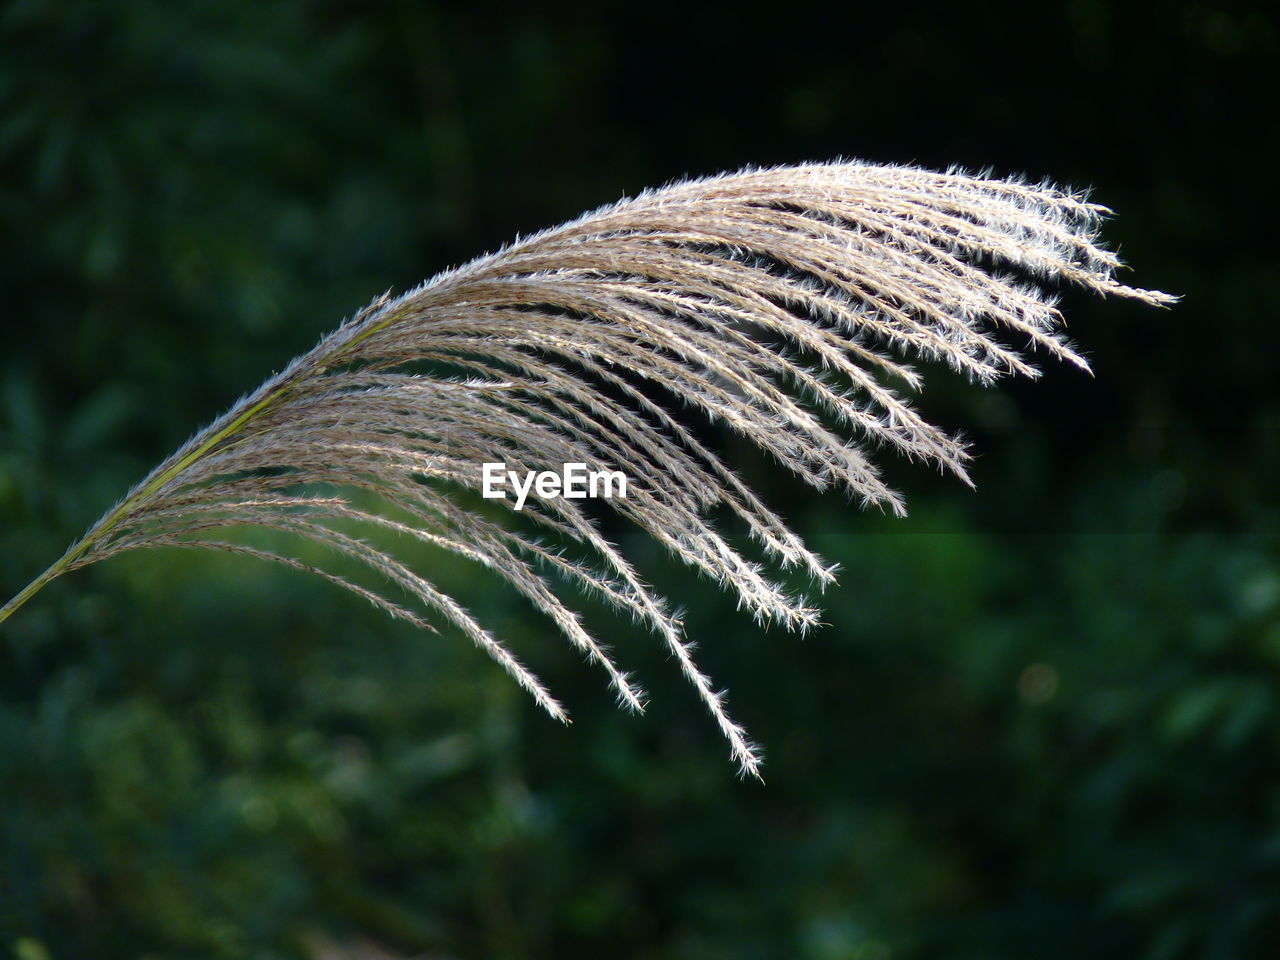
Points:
(782, 303)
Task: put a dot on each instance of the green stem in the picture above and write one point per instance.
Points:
(149, 486)
(163, 474)
(35, 586)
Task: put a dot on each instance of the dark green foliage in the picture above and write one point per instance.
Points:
(1045, 718)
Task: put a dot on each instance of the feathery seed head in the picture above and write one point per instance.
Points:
(778, 302)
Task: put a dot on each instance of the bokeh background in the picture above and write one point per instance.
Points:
(1044, 719)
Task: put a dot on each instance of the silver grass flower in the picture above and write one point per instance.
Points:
(778, 302)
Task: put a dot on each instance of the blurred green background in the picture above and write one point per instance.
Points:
(1044, 720)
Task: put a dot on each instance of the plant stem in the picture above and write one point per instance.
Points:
(195, 449)
(198, 447)
(35, 586)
